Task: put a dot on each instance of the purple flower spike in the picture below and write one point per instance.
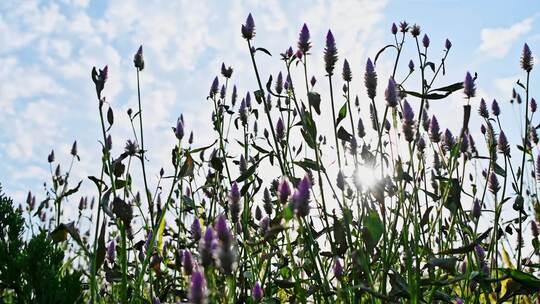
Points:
(234, 95)
(538, 167)
(156, 300)
(187, 262)
(459, 300)
(303, 40)
(279, 83)
(361, 129)
(196, 232)
(280, 129)
(411, 66)
(408, 114)
(338, 269)
(533, 105)
(222, 230)
(482, 109)
(477, 209)
(197, 290)
(313, 81)
(370, 79)
(503, 145)
(206, 247)
(257, 292)
(111, 252)
(449, 140)
(493, 183)
(394, 29)
(469, 88)
(179, 130)
(330, 53)
(234, 202)
(248, 29)
(301, 197)
(390, 93)
(138, 60)
(284, 191)
(534, 228)
(447, 44)
(214, 87)
(425, 41)
(434, 130)
(526, 58)
(347, 74)
(495, 109)
(480, 253)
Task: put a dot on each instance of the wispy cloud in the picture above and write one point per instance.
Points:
(497, 41)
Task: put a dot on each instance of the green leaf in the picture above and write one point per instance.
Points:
(446, 264)
(344, 135)
(110, 117)
(259, 96)
(373, 230)
(309, 164)
(249, 172)
(381, 51)
(342, 113)
(263, 50)
(450, 88)
(314, 99)
(432, 96)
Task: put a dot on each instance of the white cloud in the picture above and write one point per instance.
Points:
(496, 42)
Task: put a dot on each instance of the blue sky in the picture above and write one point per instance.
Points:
(47, 49)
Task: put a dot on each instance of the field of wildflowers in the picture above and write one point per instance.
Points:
(390, 209)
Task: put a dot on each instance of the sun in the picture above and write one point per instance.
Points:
(365, 176)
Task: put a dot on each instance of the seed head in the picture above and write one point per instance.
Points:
(330, 53)
(469, 88)
(390, 93)
(370, 79)
(526, 58)
(347, 74)
(304, 45)
(248, 29)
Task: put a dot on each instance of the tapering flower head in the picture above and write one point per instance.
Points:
(503, 145)
(50, 157)
(370, 79)
(394, 29)
(195, 228)
(480, 252)
(421, 144)
(469, 88)
(111, 252)
(449, 140)
(403, 27)
(207, 246)
(242, 112)
(408, 113)
(434, 130)
(214, 87)
(411, 66)
(197, 289)
(538, 167)
(425, 41)
(361, 130)
(138, 59)
(477, 209)
(464, 144)
(534, 228)
(338, 269)
(234, 96)
(267, 200)
(495, 108)
(533, 105)
(390, 93)
(459, 301)
(187, 262)
(493, 183)
(340, 181)
(74, 149)
(248, 29)
(279, 83)
(330, 53)
(301, 197)
(226, 71)
(284, 190)
(526, 58)
(347, 74)
(179, 130)
(313, 81)
(222, 230)
(234, 202)
(304, 45)
(415, 30)
(280, 129)
(257, 292)
(447, 44)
